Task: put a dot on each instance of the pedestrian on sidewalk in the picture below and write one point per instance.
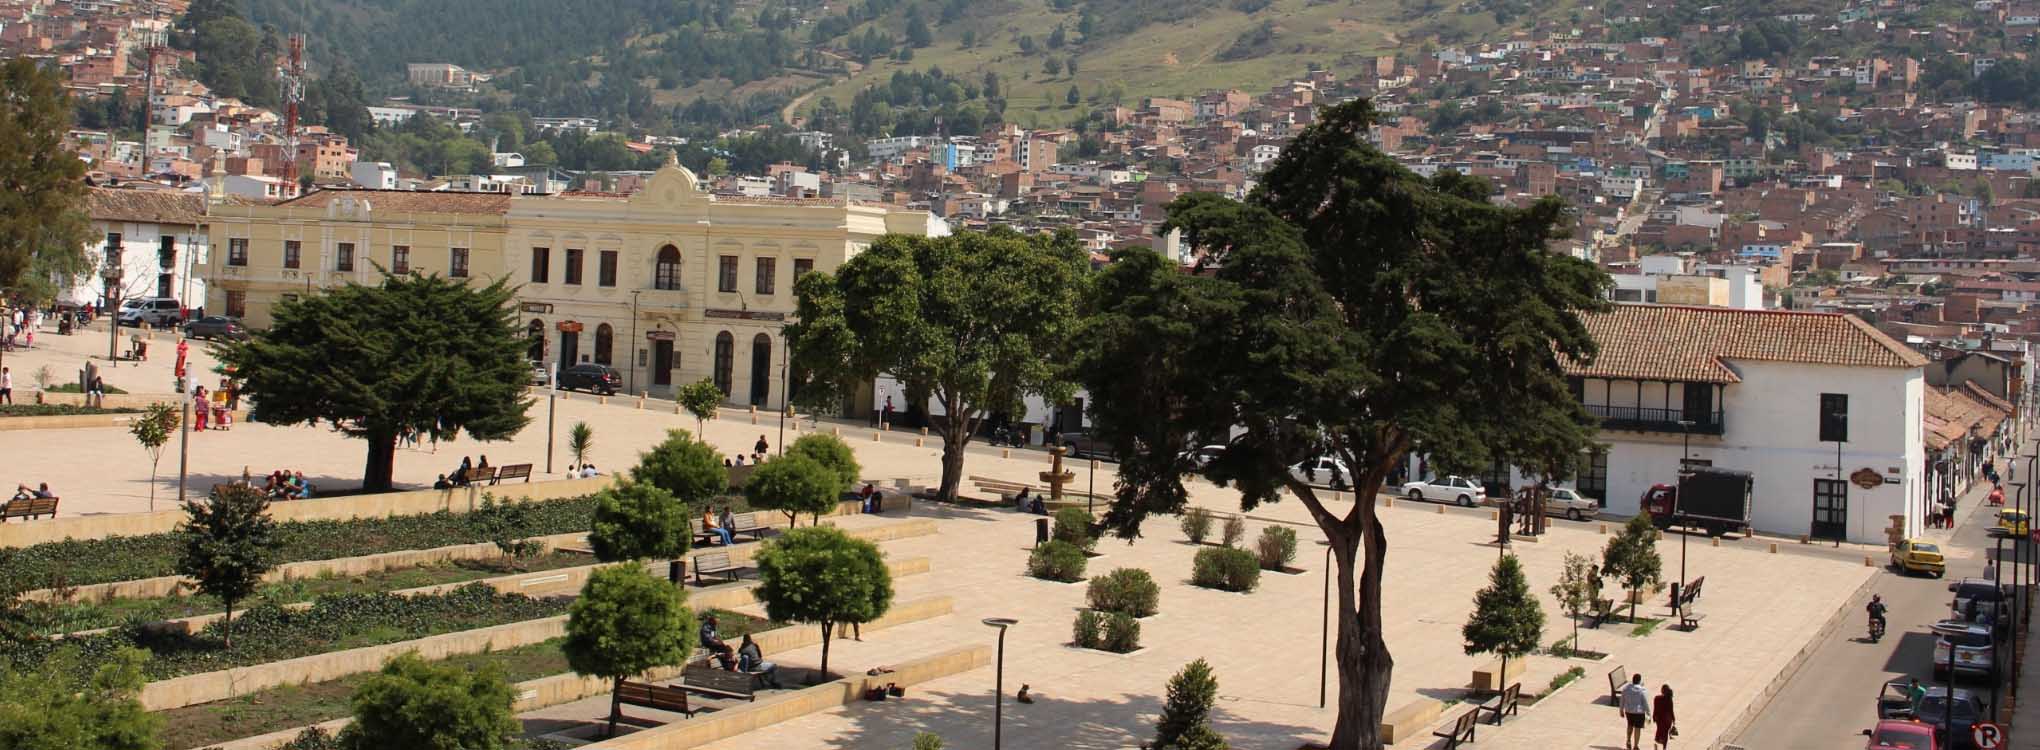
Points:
(1661, 711)
(6, 385)
(1635, 710)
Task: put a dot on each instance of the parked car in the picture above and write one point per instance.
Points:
(592, 378)
(1201, 456)
(2011, 522)
(216, 327)
(1895, 701)
(1918, 556)
(539, 376)
(1084, 445)
(1975, 598)
(1901, 734)
(1454, 489)
(150, 311)
(1568, 502)
(1323, 471)
(1966, 711)
(1974, 652)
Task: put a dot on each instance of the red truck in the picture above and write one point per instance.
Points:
(1714, 500)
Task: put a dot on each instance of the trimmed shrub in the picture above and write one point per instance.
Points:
(1197, 525)
(1129, 591)
(1088, 629)
(1277, 546)
(1057, 561)
(1226, 569)
(1235, 530)
(1073, 525)
(1122, 634)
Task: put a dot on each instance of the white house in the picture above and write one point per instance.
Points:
(1755, 387)
(374, 175)
(159, 241)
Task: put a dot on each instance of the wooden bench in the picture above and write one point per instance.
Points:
(31, 508)
(1689, 620)
(714, 563)
(1617, 677)
(653, 696)
(1687, 594)
(747, 524)
(1461, 729)
(513, 471)
(1600, 612)
(720, 683)
(478, 474)
(1503, 704)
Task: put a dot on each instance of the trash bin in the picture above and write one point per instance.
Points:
(1040, 531)
(676, 571)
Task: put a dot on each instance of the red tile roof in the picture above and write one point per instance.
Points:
(411, 201)
(1677, 343)
(145, 206)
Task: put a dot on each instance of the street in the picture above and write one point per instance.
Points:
(1832, 699)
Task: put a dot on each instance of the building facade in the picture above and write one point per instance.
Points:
(158, 240)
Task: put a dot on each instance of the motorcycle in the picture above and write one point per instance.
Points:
(1876, 629)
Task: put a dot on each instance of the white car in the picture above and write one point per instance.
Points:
(1568, 502)
(1323, 471)
(1456, 490)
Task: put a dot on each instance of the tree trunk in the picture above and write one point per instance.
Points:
(952, 466)
(382, 460)
(827, 628)
(615, 705)
(1365, 665)
(227, 625)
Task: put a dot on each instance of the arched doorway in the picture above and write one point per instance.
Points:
(604, 340)
(666, 270)
(761, 369)
(725, 361)
(535, 333)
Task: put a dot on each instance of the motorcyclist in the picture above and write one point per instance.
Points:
(1876, 609)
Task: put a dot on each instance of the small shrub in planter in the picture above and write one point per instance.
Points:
(1277, 546)
(1122, 634)
(1057, 561)
(1073, 525)
(1197, 525)
(1088, 630)
(1129, 591)
(1235, 530)
(1226, 569)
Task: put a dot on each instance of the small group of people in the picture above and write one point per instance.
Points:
(744, 658)
(868, 499)
(1030, 504)
(1942, 515)
(285, 484)
(757, 455)
(459, 477)
(38, 492)
(1639, 708)
(21, 327)
(718, 522)
(582, 471)
(213, 410)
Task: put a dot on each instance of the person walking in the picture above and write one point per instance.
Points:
(885, 417)
(6, 385)
(1661, 712)
(1635, 710)
(759, 450)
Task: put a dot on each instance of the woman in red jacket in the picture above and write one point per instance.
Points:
(1661, 711)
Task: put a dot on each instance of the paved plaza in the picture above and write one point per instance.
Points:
(1762, 607)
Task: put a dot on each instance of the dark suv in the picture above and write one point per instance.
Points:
(216, 327)
(592, 378)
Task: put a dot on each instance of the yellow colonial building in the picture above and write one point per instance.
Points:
(669, 285)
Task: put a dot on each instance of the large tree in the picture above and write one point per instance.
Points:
(624, 623)
(821, 575)
(418, 353)
(975, 321)
(1349, 308)
(638, 521)
(794, 485)
(43, 228)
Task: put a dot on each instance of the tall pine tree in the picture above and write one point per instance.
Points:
(1507, 620)
(417, 353)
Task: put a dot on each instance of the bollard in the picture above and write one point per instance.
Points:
(1804, 539)
(1005, 452)
(602, 400)
(1604, 529)
(1441, 510)
(917, 442)
(1869, 562)
(836, 431)
(1774, 548)
(641, 403)
(1493, 515)
(754, 415)
(924, 432)
(885, 426)
(1387, 501)
(1716, 541)
(875, 437)
(676, 408)
(754, 408)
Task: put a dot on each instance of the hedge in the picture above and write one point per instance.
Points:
(1226, 569)
(1105, 631)
(1127, 590)
(75, 562)
(1057, 561)
(57, 410)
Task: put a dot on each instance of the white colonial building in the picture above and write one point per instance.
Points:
(156, 237)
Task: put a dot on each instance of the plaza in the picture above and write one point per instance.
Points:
(1764, 606)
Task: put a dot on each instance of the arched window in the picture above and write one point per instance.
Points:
(603, 336)
(536, 333)
(725, 356)
(666, 275)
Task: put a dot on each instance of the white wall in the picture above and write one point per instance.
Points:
(139, 264)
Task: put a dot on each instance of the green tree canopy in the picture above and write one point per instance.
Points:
(1185, 723)
(153, 429)
(976, 321)
(43, 228)
(832, 453)
(1507, 620)
(820, 575)
(700, 398)
(688, 468)
(57, 704)
(1631, 558)
(419, 353)
(226, 543)
(1354, 309)
(638, 521)
(418, 704)
(1577, 588)
(793, 485)
(624, 623)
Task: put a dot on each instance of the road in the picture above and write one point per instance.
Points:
(1831, 700)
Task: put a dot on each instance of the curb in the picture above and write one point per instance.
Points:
(1763, 699)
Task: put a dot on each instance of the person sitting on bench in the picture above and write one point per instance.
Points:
(1020, 502)
(865, 497)
(713, 642)
(41, 492)
(441, 483)
(460, 475)
(1037, 506)
(710, 526)
(750, 658)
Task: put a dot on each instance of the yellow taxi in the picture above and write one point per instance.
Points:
(2010, 522)
(1918, 556)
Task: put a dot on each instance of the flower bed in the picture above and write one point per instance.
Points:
(270, 633)
(125, 558)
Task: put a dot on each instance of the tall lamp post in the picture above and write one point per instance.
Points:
(111, 275)
(183, 439)
(999, 681)
(552, 394)
(1685, 529)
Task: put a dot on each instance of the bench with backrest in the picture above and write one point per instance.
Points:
(714, 682)
(29, 508)
(478, 474)
(746, 523)
(1460, 730)
(1689, 620)
(513, 471)
(714, 563)
(653, 696)
(1599, 612)
(1504, 703)
(1617, 677)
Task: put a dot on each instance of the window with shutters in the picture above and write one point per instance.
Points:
(541, 265)
(573, 273)
(768, 272)
(726, 277)
(237, 251)
(400, 258)
(343, 257)
(605, 269)
(457, 262)
(292, 251)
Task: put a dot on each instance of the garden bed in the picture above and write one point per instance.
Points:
(58, 410)
(50, 619)
(269, 632)
(124, 558)
(279, 708)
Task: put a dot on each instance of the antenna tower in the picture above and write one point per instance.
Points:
(290, 80)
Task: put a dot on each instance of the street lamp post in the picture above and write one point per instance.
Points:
(999, 680)
(111, 275)
(183, 443)
(552, 394)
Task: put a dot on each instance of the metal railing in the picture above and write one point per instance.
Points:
(1647, 419)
